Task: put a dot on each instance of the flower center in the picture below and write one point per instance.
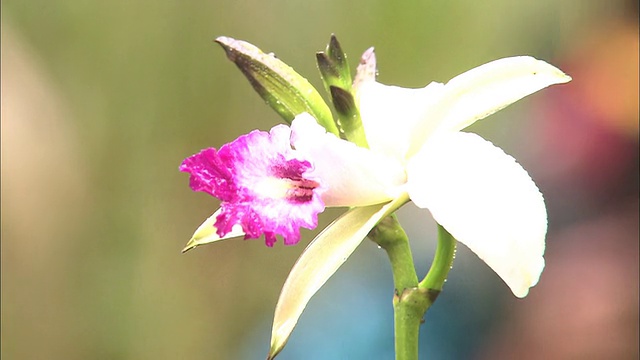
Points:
(296, 190)
(301, 190)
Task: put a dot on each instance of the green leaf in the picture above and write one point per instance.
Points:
(206, 233)
(288, 93)
(319, 261)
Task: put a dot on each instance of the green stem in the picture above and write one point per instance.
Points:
(409, 307)
(442, 263)
(392, 238)
(412, 299)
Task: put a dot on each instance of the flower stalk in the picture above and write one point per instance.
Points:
(390, 236)
(411, 299)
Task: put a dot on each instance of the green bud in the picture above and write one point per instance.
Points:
(350, 122)
(336, 77)
(333, 66)
(288, 93)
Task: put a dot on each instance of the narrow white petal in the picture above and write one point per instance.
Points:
(206, 233)
(350, 175)
(390, 114)
(488, 88)
(486, 200)
(319, 261)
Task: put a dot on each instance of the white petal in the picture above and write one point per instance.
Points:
(351, 175)
(390, 115)
(488, 88)
(206, 233)
(485, 200)
(319, 261)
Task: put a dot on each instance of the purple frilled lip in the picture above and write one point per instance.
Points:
(263, 185)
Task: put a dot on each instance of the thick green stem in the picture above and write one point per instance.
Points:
(409, 307)
(406, 308)
(412, 299)
(392, 238)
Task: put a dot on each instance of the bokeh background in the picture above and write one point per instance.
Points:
(101, 101)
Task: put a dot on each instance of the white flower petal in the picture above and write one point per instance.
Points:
(390, 115)
(206, 233)
(488, 88)
(319, 261)
(351, 175)
(485, 200)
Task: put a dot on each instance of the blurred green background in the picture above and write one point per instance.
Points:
(101, 101)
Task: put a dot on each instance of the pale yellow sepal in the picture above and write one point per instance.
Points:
(484, 90)
(417, 114)
(488, 88)
(319, 261)
(206, 233)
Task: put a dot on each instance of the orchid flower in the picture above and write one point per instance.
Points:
(273, 183)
